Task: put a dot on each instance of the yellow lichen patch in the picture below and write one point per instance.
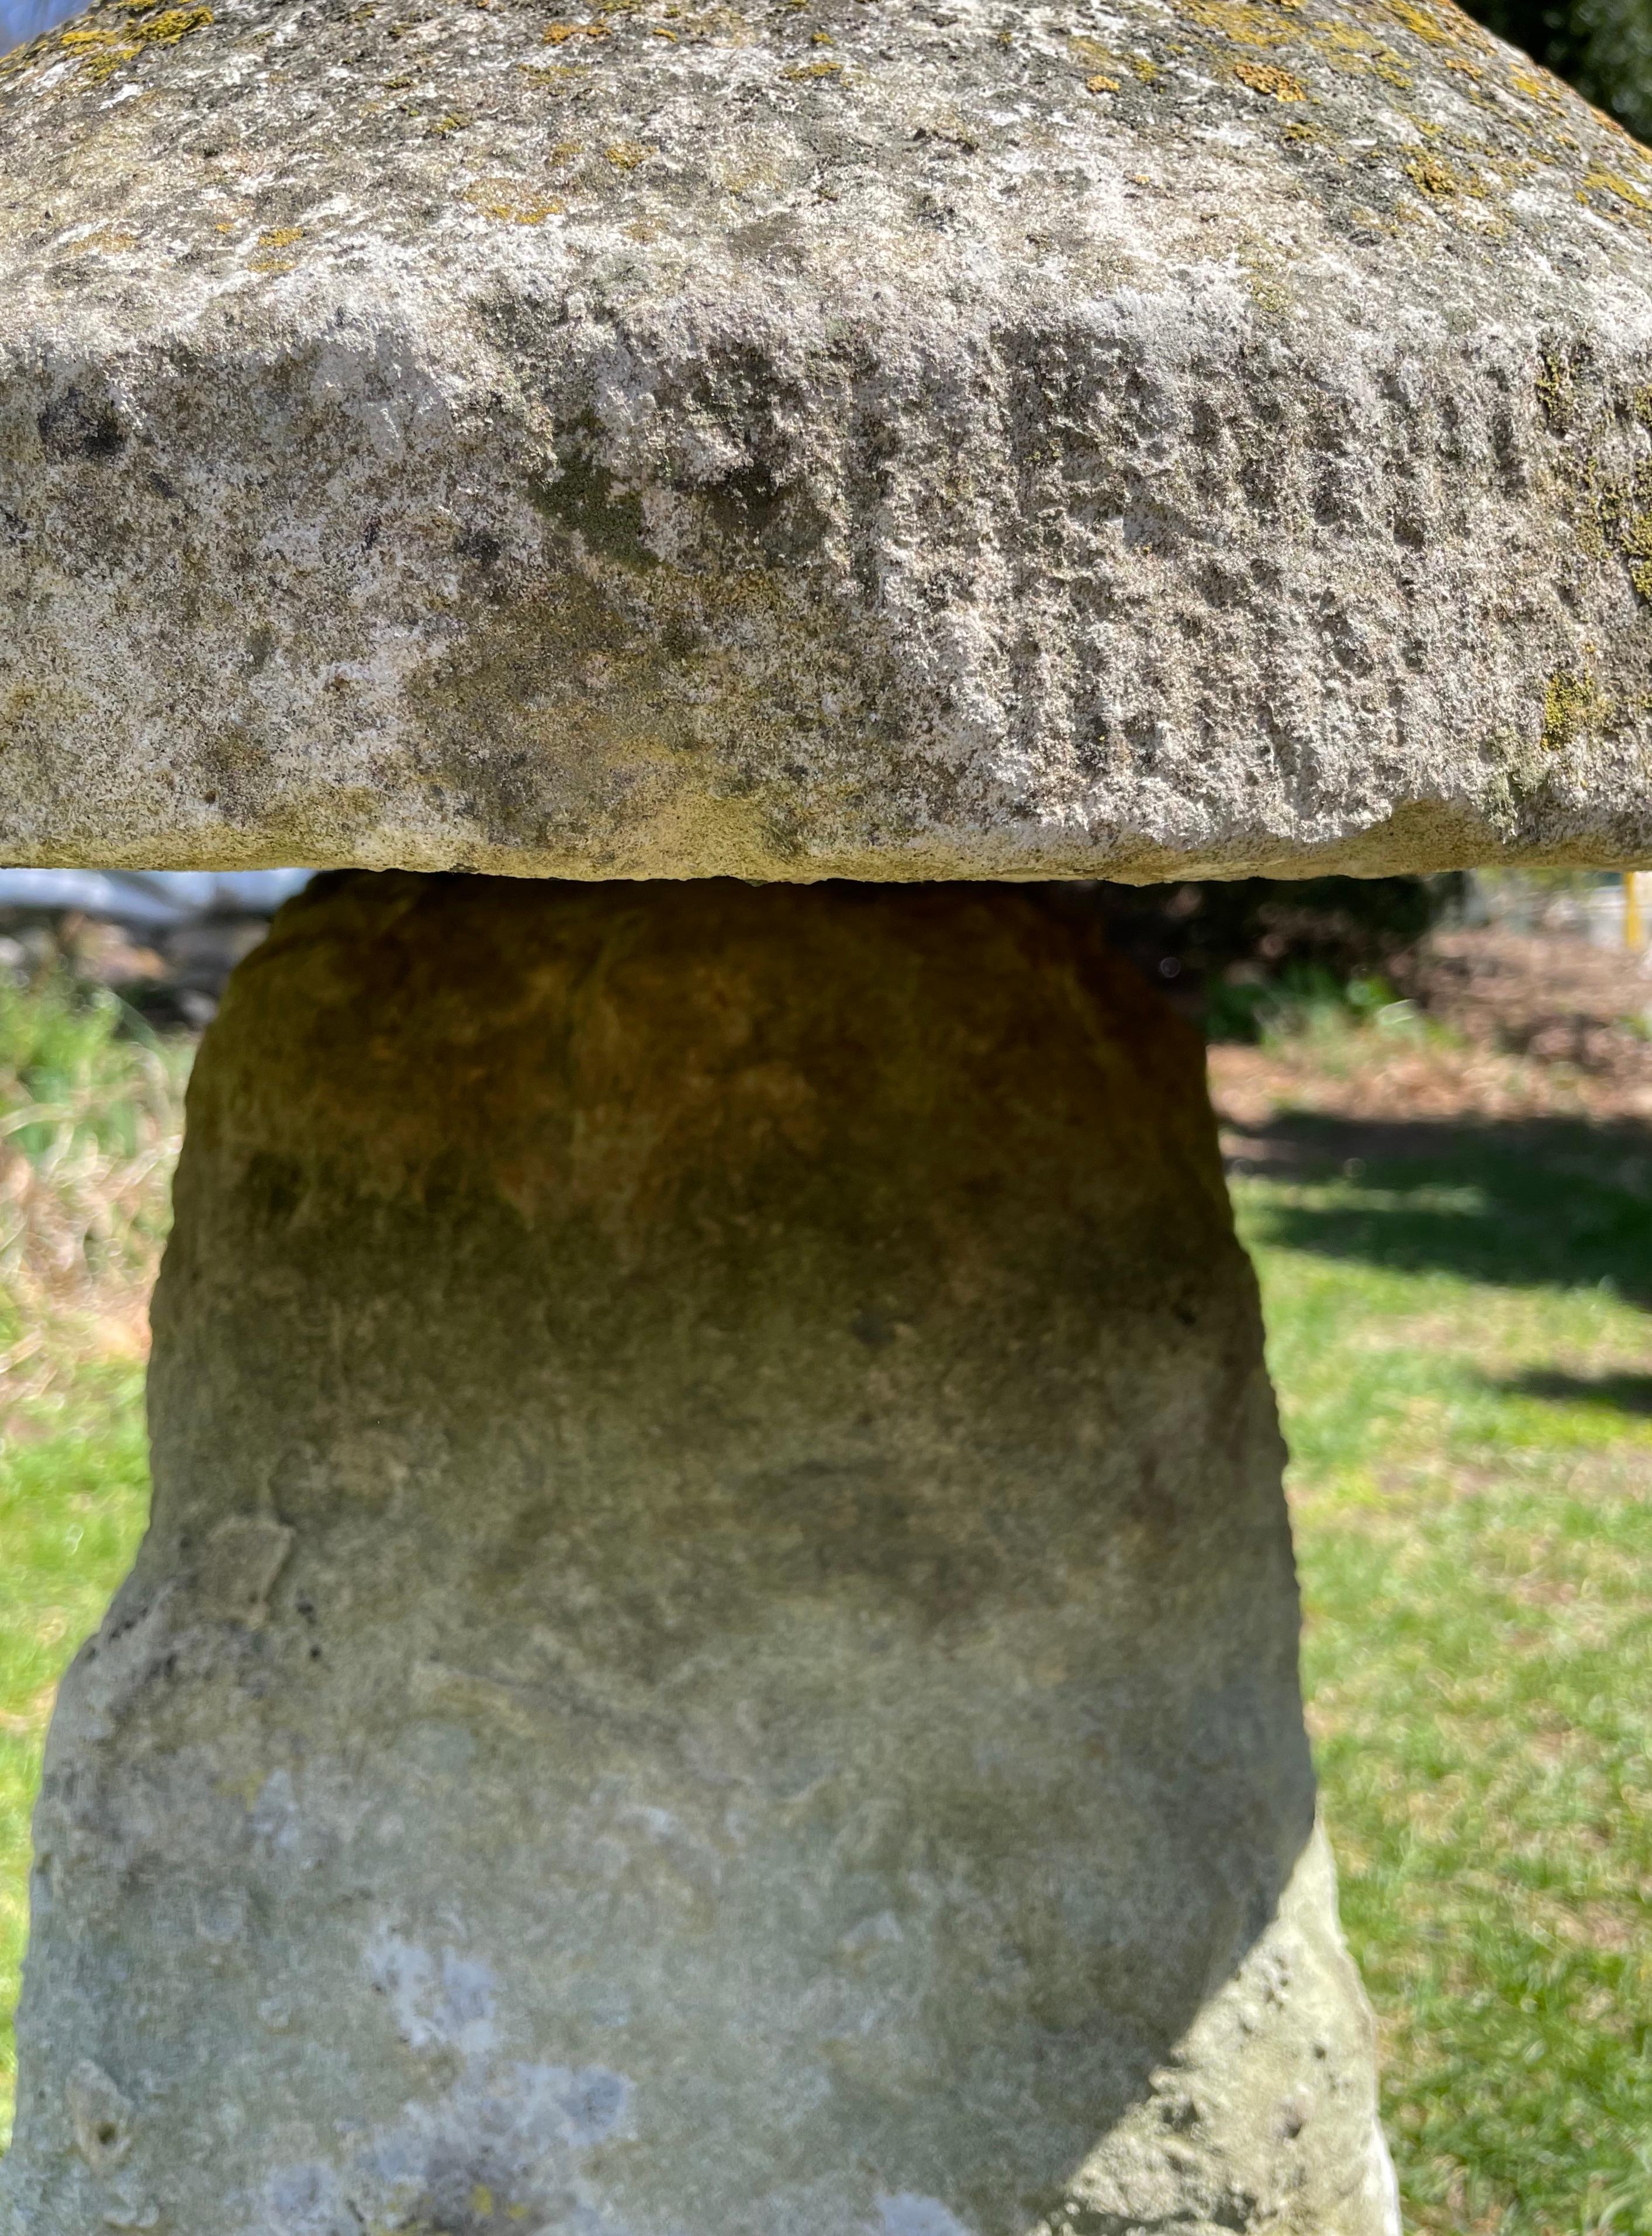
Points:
(1348, 38)
(1437, 177)
(1423, 21)
(1354, 52)
(166, 28)
(1637, 539)
(101, 48)
(1535, 88)
(557, 35)
(1608, 182)
(511, 203)
(1103, 75)
(1267, 78)
(626, 154)
(1464, 67)
(106, 241)
(268, 247)
(445, 125)
(1554, 387)
(1591, 532)
(813, 69)
(554, 73)
(1264, 270)
(1246, 24)
(1573, 704)
(705, 25)
(1146, 69)
(1618, 517)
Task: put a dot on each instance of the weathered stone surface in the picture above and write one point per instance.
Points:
(888, 440)
(716, 1654)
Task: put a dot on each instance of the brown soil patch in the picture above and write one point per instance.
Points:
(1530, 1026)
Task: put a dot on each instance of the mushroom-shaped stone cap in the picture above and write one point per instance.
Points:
(831, 437)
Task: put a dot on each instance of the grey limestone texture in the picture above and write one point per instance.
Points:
(923, 439)
(716, 1654)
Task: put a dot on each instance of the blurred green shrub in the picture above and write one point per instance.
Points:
(1305, 997)
(1247, 957)
(1602, 46)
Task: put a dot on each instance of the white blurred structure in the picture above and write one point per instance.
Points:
(27, 19)
(150, 900)
(1608, 908)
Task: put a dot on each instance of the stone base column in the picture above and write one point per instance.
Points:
(716, 1654)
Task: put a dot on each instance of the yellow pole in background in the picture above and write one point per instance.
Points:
(1634, 923)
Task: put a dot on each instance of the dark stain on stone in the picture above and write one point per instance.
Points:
(584, 495)
(73, 427)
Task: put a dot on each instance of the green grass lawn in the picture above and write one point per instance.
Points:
(90, 1107)
(1466, 1381)
(74, 1487)
(1465, 1360)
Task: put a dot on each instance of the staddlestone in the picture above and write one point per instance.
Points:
(716, 1654)
(896, 440)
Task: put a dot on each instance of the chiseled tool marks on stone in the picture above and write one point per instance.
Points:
(890, 440)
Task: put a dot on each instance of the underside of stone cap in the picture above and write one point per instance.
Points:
(895, 441)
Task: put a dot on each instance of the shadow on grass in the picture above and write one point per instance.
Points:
(1620, 1394)
(1527, 1203)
